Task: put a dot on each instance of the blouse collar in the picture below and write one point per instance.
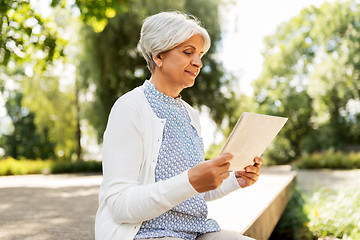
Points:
(161, 96)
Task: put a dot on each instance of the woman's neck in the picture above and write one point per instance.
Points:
(164, 87)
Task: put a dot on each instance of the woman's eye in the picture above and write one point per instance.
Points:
(187, 53)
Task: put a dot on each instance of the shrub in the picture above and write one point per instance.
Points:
(335, 213)
(11, 166)
(329, 159)
(324, 214)
(77, 166)
(293, 222)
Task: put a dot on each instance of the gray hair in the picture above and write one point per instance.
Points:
(164, 31)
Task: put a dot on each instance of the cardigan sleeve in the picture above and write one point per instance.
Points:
(229, 185)
(126, 199)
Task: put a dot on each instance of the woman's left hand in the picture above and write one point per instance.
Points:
(250, 175)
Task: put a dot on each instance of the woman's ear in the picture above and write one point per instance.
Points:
(158, 60)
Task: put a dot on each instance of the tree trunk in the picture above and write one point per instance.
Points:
(78, 129)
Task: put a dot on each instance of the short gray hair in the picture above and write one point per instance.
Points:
(164, 31)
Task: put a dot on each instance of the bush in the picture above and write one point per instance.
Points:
(293, 222)
(11, 166)
(335, 213)
(323, 215)
(77, 166)
(329, 159)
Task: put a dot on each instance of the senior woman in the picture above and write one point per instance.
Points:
(156, 182)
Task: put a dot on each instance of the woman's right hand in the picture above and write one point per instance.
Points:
(209, 175)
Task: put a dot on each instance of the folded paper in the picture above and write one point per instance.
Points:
(250, 137)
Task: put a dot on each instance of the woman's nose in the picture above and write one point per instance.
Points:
(197, 61)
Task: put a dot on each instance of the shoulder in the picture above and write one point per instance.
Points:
(130, 107)
(135, 96)
(133, 100)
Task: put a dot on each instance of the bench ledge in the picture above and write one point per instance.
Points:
(255, 211)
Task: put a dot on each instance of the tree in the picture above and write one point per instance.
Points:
(31, 43)
(26, 41)
(336, 77)
(52, 94)
(311, 74)
(23, 140)
(95, 13)
(24, 32)
(55, 111)
(112, 65)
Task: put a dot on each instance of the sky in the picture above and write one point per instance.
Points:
(244, 25)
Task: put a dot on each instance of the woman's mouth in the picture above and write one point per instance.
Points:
(192, 74)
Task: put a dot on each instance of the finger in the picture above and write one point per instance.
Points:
(258, 162)
(238, 173)
(250, 176)
(222, 159)
(224, 175)
(224, 168)
(252, 169)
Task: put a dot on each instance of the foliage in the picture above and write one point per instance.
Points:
(323, 214)
(311, 75)
(95, 13)
(10, 166)
(214, 150)
(31, 42)
(334, 213)
(76, 167)
(23, 33)
(28, 47)
(112, 65)
(329, 159)
(24, 141)
(55, 111)
(292, 223)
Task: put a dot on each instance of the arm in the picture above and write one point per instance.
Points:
(236, 180)
(127, 200)
(230, 184)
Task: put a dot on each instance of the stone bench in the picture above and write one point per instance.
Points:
(255, 211)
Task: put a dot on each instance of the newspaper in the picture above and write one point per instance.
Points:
(250, 137)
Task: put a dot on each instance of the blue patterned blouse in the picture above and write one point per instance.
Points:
(181, 149)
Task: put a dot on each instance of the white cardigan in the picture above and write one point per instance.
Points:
(129, 194)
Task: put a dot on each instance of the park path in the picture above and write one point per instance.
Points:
(47, 207)
(313, 180)
(40, 207)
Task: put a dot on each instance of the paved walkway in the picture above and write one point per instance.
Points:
(43, 207)
(39, 207)
(313, 180)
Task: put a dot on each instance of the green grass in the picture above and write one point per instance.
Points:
(10, 166)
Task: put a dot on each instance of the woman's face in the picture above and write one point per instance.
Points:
(181, 65)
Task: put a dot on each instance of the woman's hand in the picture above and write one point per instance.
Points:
(209, 175)
(250, 175)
